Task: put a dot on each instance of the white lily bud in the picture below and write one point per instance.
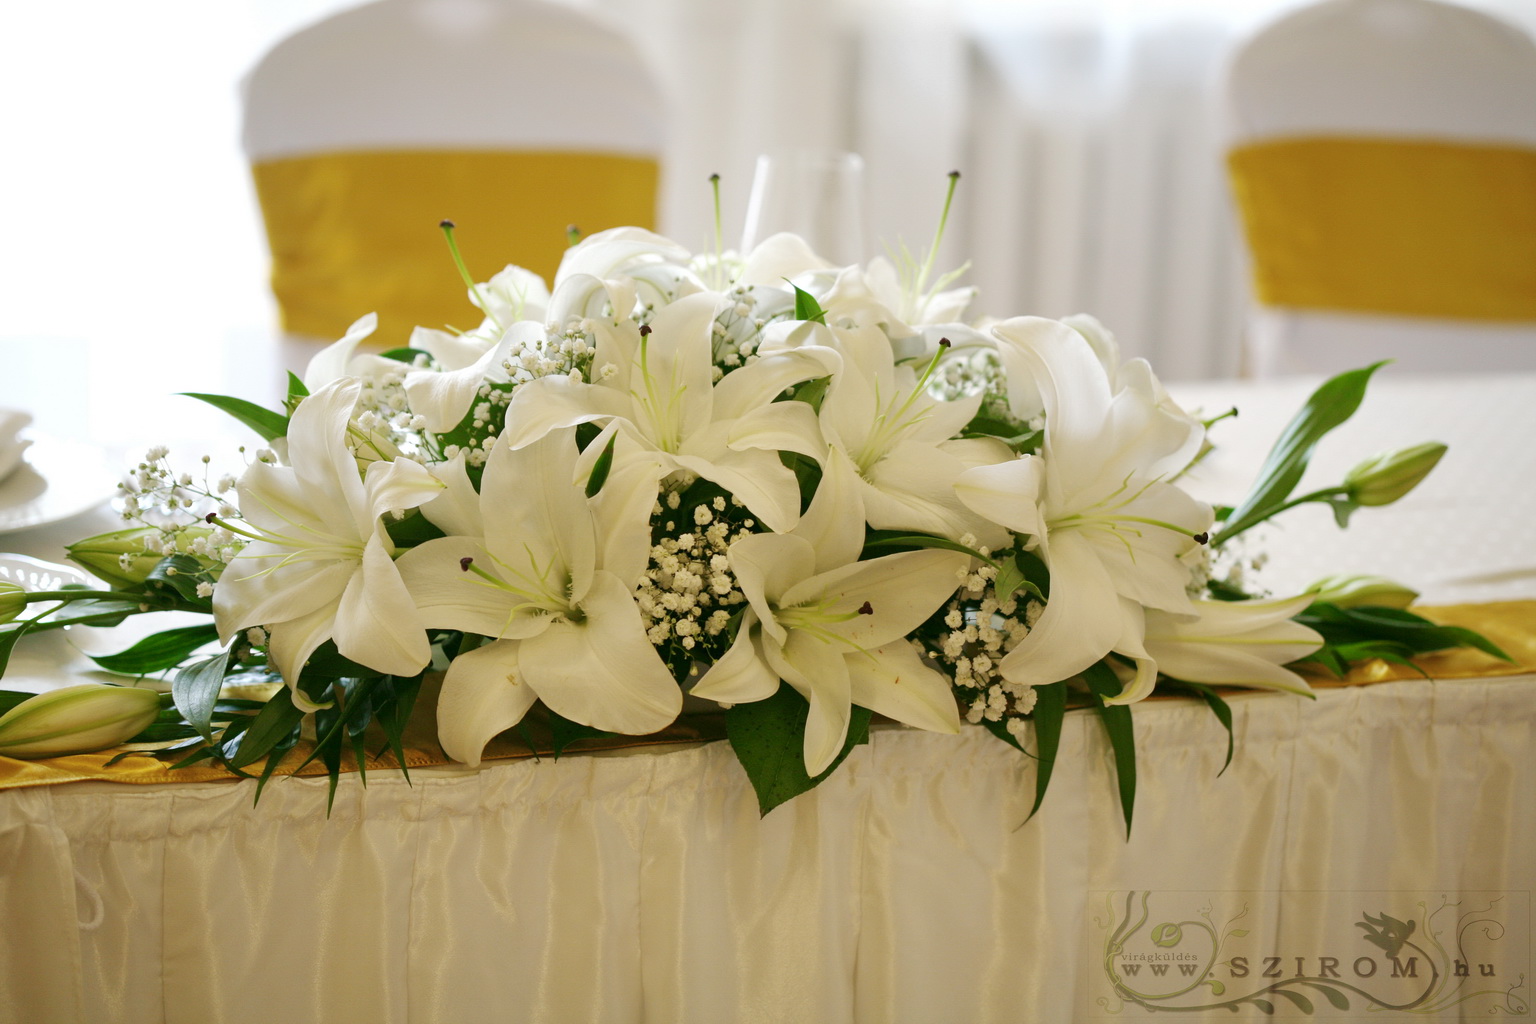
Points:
(1353, 591)
(13, 600)
(76, 720)
(1382, 479)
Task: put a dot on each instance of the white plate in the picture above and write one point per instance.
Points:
(36, 574)
(59, 479)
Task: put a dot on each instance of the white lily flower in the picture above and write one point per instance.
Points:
(776, 259)
(341, 359)
(900, 438)
(512, 295)
(552, 581)
(1234, 643)
(652, 269)
(662, 399)
(320, 563)
(1095, 504)
(835, 628)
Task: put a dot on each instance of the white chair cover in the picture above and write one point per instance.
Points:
(1403, 70)
(512, 117)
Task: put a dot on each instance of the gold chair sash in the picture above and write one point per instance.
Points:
(1397, 226)
(357, 232)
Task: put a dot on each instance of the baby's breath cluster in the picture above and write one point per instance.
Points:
(172, 508)
(976, 630)
(965, 372)
(738, 329)
(688, 593)
(383, 425)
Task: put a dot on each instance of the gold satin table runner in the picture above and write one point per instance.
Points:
(1509, 624)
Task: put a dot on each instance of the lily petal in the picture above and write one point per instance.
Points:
(331, 362)
(291, 643)
(1081, 622)
(483, 694)
(893, 681)
(377, 623)
(899, 592)
(741, 675)
(603, 672)
(819, 671)
(1007, 493)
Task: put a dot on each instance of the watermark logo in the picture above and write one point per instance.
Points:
(1193, 956)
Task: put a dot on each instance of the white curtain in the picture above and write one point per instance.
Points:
(1086, 132)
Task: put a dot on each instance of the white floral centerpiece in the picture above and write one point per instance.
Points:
(803, 493)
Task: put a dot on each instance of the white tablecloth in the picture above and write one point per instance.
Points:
(645, 888)
(907, 888)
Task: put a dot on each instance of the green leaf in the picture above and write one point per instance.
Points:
(563, 732)
(296, 388)
(807, 308)
(768, 737)
(394, 700)
(1373, 631)
(1223, 712)
(196, 692)
(10, 698)
(182, 573)
(278, 720)
(812, 392)
(1328, 407)
(1264, 1006)
(1049, 713)
(159, 651)
(414, 529)
(1342, 508)
(405, 354)
(601, 467)
(878, 540)
(95, 612)
(275, 757)
(268, 425)
(1102, 681)
(10, 632)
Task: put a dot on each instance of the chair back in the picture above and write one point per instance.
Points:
(512, 118)
(1383, 159)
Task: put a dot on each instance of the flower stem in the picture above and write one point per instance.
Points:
(458, 261)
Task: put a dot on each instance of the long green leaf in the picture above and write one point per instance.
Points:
(159, 651)
(275, 757)
(268, 425)
(768, 737)
(880, 539)
(1049, 713)
(1223, 712)
(1122, 739)
(393, 713)
(196, 692)
(1329, 406)
(274, 723)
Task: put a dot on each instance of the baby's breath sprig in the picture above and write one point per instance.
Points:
(689, 595)
(969, 637)
(172, 509)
